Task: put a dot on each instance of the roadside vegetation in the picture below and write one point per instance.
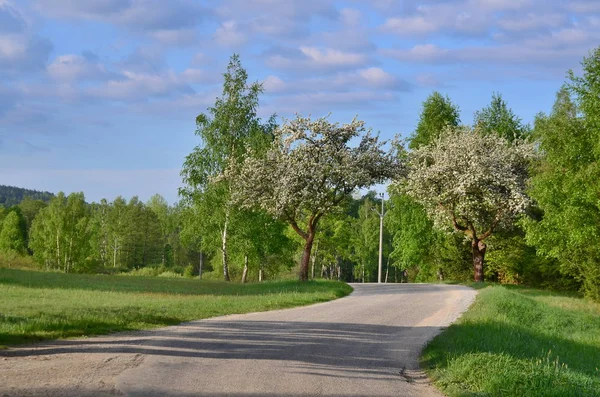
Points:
(517, 341)
(49, 305)
(483, 196)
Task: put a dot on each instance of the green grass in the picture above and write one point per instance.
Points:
(44, 305)
(516, 341)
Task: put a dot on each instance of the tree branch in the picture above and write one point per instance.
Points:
(458, 227)
(295, 226)
(493, 227)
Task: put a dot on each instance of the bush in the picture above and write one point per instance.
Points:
(190, 271)
(170, 274)
(14, 260)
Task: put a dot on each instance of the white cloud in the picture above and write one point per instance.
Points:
(141, 86)
(377, 77)
(229, 34)
(410, 25)
(332, 57)
(362, 80)
(21, 48)
(180, 37)
(273, 84)
(532, 21)
(76, 68)
(138, 14)
(193, 75)
(419, 53)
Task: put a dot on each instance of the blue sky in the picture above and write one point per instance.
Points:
(100, 96)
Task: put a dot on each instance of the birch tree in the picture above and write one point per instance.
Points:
(230, 126)
(308, 171)
(12, 233)
(565, 184)
(472, 182)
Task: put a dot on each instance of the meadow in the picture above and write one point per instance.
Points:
(516, 341)
(37, 305)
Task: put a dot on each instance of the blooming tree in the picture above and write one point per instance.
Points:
(309, 170)
(472, 181)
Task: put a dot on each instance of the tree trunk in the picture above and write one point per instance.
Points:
(261, 275)
(58, 249)
(387, 270)
(115, 248)
(314, 259)
(478, 248)
(200, 265)
(224, 248)
(306, 256)
(363, 273)
(245, 272)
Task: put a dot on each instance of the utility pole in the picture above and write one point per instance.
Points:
(381, 214)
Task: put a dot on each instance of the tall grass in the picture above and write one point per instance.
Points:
(38, 305)
(515, 341)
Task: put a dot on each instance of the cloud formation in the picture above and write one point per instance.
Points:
(92, 68)
(21, 48)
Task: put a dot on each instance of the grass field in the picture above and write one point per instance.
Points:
(42, 305)
(519, 342)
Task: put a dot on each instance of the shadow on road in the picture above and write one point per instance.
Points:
(358, 348)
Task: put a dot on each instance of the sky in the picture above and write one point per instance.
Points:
(101, 96)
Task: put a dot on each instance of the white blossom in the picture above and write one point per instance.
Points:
(473, 181)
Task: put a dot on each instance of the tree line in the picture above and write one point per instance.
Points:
(494, 199)
(12, 195)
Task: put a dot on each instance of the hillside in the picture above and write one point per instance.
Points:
(11, 195)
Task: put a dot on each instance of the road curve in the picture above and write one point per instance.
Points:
(366, 344)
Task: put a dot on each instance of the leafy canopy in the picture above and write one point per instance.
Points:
(311, 168)
(470, 180)
(437, 113)
(499, 119)
(565, 184)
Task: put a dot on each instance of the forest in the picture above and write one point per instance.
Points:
(12, 195)
(490, 198)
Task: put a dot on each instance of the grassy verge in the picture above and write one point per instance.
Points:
(42, 305)
(519, 342)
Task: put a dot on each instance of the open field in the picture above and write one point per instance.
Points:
(516, 341)
(42, 305)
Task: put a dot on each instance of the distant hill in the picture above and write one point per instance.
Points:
(11, 195)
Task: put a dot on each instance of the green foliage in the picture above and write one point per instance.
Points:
(60, 235)
(519, 342)
(414, 236)
(14, 260)
(11, 195)
(365, 242)
(231, 125)
(424, 252)
(45, 305)
(229, 131)
(309, 171)
(498, 119)
(30, 208)
(189, 271)
(472, 182)
(437, 113)
(565, 184)
(12, 235)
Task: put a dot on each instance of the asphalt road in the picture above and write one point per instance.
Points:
(366, 344)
